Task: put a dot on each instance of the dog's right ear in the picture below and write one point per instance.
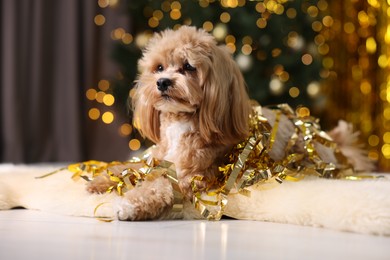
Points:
(145, 117)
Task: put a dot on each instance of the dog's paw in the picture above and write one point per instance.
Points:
(126, 210)
(100, 184)
(190, 184)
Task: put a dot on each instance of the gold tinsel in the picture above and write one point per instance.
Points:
(247, 164)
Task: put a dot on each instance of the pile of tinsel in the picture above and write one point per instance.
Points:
(248, 163)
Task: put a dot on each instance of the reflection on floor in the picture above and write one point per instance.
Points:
(36, 235)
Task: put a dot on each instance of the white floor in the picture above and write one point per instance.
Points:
(36, 235)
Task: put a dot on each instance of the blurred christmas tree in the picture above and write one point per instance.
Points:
(278, 44)
(330, 56)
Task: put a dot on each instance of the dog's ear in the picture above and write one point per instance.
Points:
(145, 117)
(225, 108)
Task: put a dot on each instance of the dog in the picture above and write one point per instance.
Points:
(191, 100)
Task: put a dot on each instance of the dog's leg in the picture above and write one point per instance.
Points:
(152, 199)
(196, 167)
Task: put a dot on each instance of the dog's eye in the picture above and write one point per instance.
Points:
(159, 68)
(188, 67)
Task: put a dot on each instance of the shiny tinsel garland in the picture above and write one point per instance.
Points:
(247, 164)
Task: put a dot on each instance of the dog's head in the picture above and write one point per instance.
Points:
(184, 71)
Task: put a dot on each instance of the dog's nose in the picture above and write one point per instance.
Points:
(163, 84)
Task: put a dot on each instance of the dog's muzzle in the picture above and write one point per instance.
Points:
(163, 84)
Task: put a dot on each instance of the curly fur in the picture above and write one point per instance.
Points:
(194, 122)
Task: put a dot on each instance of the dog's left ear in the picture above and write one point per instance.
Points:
(224, 113)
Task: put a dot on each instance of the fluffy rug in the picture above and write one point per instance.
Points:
(361, 206)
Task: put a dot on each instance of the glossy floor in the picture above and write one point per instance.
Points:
(36, 235)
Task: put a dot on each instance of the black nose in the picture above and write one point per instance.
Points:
(163, 84)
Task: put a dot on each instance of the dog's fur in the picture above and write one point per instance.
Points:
(194, 121)
(191, 100)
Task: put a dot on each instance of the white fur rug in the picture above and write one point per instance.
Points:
(356, 206)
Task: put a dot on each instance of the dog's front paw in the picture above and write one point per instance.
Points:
(190, 184)
(100, 184)
(126, 210)
(151, 200)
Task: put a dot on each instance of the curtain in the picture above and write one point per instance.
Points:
(51, 52)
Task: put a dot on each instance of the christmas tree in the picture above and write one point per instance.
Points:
(278, 44)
